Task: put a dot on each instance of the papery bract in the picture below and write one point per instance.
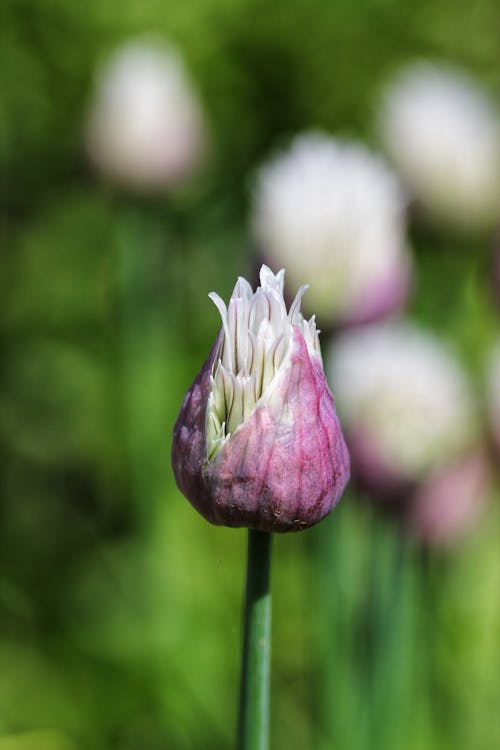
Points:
(257, 442)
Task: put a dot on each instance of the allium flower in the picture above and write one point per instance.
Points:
(257, 442)
(332, 211)
(145, 127)
(405, 404)
(450, 502)
(493, 389)
(442, 132)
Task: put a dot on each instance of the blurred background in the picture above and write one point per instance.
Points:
(151, 152)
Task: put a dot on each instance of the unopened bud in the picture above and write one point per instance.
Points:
(257, 442)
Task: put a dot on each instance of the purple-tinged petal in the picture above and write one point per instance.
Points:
(189, 447)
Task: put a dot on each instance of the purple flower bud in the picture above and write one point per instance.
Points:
(257, 442)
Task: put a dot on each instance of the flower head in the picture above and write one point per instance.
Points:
(145, 128)
(406, 404)
(333, 212)
(450, 503)
(257, 442)
(442, 133)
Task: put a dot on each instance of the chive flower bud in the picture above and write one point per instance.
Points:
(257, 442)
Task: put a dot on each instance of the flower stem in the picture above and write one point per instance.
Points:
(253, 725)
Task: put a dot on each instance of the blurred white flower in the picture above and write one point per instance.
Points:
(332, 213)
(442, 133)
(493, 392)
(404, 402)
(145, 128)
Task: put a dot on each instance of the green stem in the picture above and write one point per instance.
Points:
(253, 726)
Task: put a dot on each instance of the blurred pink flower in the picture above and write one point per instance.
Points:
(411, 425)
(448, 504)
(405, 402)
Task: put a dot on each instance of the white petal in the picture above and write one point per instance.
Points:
(257, 334)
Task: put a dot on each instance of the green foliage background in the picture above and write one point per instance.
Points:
(119, 606)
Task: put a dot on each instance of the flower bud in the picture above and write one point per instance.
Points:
(442, 133)
(332, 211)
(257, 442)
(145, 129)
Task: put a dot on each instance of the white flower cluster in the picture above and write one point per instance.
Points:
(145, 127)
(403, 388)
(331, 211)
(442, 133)
(257, 334)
